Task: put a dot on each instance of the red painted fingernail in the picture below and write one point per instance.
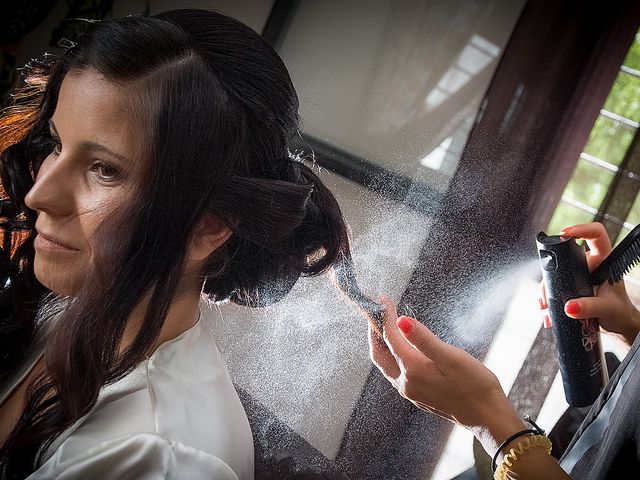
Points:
(405, 324)
(547, 321)
(572, 308)
(566, 231)
(541, 302)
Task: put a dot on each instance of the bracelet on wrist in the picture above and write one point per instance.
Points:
(536, 430)
(533, 441)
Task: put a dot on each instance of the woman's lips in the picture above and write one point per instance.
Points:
(47, 242)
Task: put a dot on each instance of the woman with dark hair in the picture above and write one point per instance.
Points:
(148, 167)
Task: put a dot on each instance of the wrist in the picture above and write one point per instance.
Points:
(518, 442)
(495, 424)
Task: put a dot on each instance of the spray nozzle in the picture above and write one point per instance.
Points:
(548, 260)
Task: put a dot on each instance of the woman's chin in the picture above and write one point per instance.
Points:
(54, 281)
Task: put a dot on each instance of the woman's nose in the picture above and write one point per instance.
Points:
(51, 191)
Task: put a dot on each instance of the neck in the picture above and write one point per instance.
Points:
(183, 314)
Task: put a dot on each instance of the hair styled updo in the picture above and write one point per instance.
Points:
(216, 109)
(285, 222)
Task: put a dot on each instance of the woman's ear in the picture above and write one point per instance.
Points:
(210, 233)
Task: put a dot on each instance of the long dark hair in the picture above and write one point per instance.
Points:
(217, 111)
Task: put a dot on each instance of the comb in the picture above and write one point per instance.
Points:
(620, 261)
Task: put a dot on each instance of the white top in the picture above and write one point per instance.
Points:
(175, 416)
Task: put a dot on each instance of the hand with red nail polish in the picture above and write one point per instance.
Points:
(611, 304)
(445, 380)
(437, 377)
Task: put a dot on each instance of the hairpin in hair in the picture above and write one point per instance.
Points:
(66, 43)
(295, 156)
(82, 19)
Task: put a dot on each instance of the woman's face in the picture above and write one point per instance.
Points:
(90, 172)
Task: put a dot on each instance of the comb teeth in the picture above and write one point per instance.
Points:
(621, 259)
(627, 260)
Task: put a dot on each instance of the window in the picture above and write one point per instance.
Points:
(395, 89)
(606, 180)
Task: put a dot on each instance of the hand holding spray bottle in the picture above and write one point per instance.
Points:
(566, 276)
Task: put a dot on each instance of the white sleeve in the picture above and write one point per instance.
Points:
(143, 456)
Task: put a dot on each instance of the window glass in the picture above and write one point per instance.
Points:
(397, 86)
(589, 183)
(632, 60)
(609, 140)
(624, 98)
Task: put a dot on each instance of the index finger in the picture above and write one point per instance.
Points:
(597, 239)
(397, 344)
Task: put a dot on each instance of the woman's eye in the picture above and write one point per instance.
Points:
(105, 172)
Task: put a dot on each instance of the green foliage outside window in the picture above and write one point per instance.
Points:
(608, 141)
(589, 184)
(624, 98)
(632, 60)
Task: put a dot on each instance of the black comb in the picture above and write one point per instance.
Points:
(620, 261)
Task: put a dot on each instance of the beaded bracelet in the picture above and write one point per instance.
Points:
(522, 446)
(535, 430)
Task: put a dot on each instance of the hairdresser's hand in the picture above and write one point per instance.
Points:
(611, 304)
(442, 379)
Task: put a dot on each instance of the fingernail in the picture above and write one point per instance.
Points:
(566, 231)
(547, 321)
(405, 324)
(572, 308)
(541, 303)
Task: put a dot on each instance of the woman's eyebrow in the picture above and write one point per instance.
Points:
(93, 146)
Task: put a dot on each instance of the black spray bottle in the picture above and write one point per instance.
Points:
(580, 355)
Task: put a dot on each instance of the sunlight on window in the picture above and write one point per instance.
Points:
(477, 54)
(436, 157)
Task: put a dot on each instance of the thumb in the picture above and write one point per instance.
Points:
(422, 339)
(585, 307)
